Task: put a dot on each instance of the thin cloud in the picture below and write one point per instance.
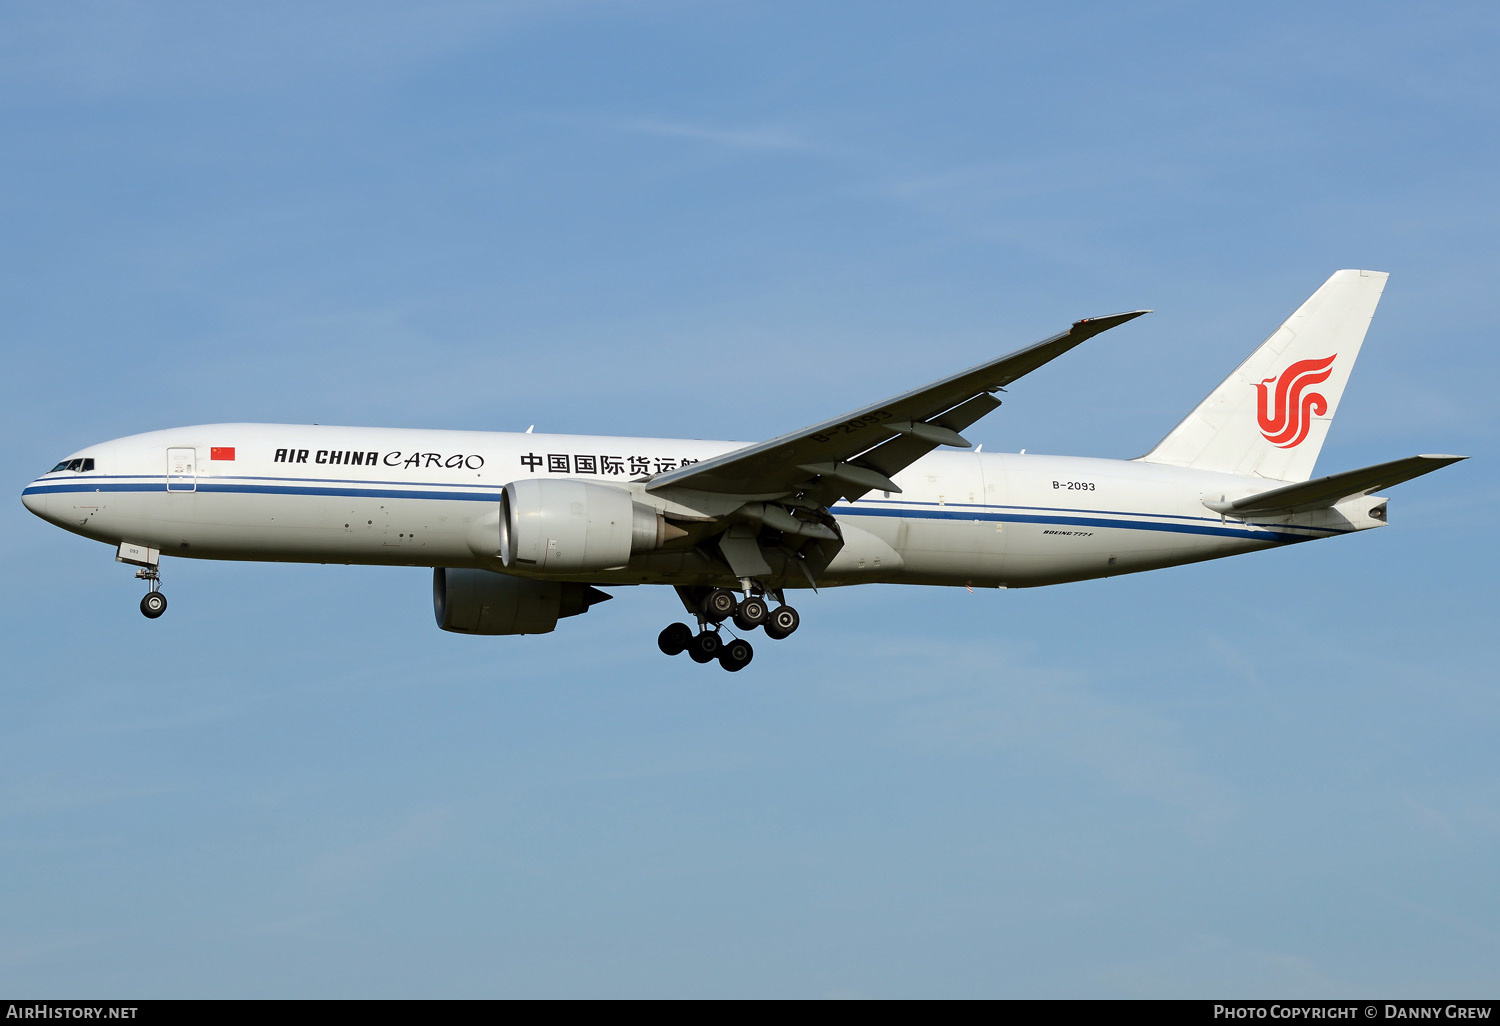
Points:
(364, 863)
(1044, 711)
(1468, 929)
(1210, 965)
(768, 138)
(143, 47)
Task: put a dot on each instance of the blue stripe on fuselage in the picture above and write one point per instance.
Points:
(1120, 520)
(1261, 534)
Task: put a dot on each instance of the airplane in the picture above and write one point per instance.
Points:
(525, 529)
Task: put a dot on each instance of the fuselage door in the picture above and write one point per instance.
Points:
(182, 470)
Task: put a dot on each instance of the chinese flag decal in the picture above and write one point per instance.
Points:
(220, 452)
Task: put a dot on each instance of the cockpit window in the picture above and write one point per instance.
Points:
(80, 466)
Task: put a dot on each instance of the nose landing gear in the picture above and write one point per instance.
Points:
(146, 558)
(154, 603)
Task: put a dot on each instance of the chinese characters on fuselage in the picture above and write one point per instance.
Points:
(614, 466)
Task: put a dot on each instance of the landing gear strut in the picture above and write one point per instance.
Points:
(155, 603)
(713, 609)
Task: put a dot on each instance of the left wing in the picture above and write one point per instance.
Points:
(862, 450)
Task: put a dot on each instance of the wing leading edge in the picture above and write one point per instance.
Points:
(864, 449)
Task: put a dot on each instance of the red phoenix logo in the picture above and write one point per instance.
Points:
(1286, 420)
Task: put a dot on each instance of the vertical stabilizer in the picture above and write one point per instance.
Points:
(1269, 417)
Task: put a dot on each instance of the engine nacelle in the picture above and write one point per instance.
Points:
(485, 602)
(556, 526)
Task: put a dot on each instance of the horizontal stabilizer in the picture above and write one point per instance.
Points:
(1329, 491)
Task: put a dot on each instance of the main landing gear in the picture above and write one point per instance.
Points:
(747, 614)
(155, 603)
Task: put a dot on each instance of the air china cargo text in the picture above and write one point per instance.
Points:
(370, 458)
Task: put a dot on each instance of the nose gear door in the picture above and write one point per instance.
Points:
(182, 470)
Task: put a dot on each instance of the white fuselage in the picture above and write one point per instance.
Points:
(308, 493)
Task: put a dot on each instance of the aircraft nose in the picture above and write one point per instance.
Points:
(36, 501)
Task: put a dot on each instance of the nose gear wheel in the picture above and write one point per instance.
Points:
(154, 603)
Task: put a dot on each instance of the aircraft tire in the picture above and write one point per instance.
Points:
(751, 613)
(705, 647)
(736, 655)
(674, 639)
(153, 605)
(782, 622)
(719, 605)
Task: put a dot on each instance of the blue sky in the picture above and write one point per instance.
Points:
(1267, 776)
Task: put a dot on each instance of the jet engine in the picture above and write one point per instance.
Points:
(557, 526)
(485, 602)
